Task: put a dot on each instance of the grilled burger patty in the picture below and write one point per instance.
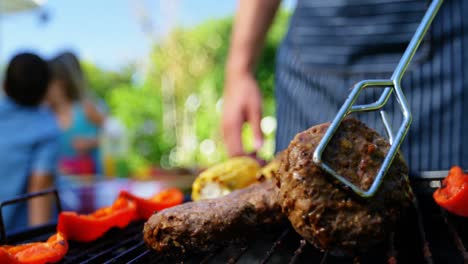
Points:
(204, 225)
(326, 214)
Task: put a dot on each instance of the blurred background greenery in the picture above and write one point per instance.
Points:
(172, 110)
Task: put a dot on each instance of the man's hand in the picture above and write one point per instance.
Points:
(242, 103)
(242, 99)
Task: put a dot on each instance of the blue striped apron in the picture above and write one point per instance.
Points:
(332, 44)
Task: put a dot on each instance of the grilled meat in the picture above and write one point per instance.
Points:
(204, 225)
(327, 215)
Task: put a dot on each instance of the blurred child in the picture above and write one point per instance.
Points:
(78, 117)
(28, 141)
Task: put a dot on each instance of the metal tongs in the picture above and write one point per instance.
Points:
(390, 85)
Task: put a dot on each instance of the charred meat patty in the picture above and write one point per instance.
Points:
(324, 212)
(204, 225)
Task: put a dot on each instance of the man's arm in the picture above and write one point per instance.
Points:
(252, 21)
(40, 208)
(242, 99)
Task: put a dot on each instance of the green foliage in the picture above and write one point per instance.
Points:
(174, 115)
(102, 82)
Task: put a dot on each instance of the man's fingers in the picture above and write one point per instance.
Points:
(232, 129)
(254, 119)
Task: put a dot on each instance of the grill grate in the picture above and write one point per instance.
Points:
(427, 234)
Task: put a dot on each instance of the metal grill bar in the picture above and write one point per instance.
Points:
(81, 255)
(111, 249)
(209, 256)
(231, 253)
(126, 252)
(298, 251)
(102, 249)
(456, 238)
(426, 250)
(324, 258)
(277, 242)
(140, 257)
(236, 257)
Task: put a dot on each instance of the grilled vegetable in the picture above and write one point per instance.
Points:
(223, 178)
(268, 171)
(453, 195)
(86, 228)
(51, 251)
(146, 207)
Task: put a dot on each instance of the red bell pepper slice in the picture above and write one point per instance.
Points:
(51, 251)
(453, 195)
(162, 200)
(86, 228)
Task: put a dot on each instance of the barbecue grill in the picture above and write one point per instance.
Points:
(426, 234)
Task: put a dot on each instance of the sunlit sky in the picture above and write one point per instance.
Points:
(108, 33)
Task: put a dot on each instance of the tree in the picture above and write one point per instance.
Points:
(101, 82)
(174, 115)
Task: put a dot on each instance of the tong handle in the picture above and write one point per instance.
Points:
(406, 58)
(416, 40)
